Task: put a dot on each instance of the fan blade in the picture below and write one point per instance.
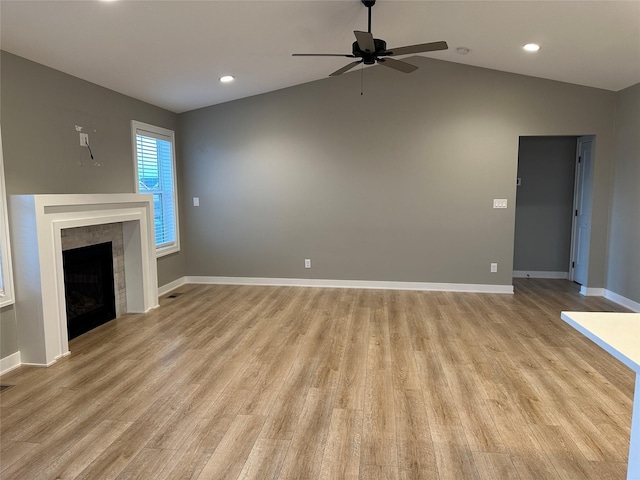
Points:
(404, 67)
(323, 55)
(345, 68)
(365, 41)
(422, 48)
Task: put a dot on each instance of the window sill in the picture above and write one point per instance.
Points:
(163, 252)
(6, 301)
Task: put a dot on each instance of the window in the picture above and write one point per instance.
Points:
(6, 278)
(155, 168)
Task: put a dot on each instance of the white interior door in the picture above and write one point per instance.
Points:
(583, 203)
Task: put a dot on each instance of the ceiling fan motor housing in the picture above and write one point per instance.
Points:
(369, 57)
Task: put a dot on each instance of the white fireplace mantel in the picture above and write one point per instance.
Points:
(36, 225)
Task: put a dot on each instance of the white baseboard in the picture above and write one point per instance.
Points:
(164, 289)
(591, 291)
(442, 287)
(9, 363)
(540, 274)
(380, 285)
(40, 365)
(620, 300)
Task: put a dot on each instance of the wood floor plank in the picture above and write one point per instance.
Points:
(379, 445)
(453, 456)
(416, 455)
(288, 383)
(77, 458)
(495, 466)
(351, 386)
(195, 452)
(230, 456)
(563, 453)
(118, 455)
(265, 459)
(12, 452)
(283, 418)
(535, 465)
(379, 472)
(146, 464)
(439, 402)
(341, 457)
(610, 470)
(403, 366)
(480, 430)
(305, 454)
(587, 437)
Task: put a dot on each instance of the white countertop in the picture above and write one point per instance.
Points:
(617, 333)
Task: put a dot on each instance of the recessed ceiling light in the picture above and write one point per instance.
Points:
(227, 79)
(531, 47)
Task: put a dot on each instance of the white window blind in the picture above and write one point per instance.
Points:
(155, 174)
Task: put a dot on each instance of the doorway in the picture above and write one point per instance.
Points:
(545, 240)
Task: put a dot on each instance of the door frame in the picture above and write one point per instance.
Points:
(577, 189)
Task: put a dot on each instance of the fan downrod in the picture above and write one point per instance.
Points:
(369, 4)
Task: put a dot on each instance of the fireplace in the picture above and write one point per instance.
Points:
(89, 290)
(39, 229)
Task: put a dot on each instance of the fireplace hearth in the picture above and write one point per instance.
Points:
(89, 287)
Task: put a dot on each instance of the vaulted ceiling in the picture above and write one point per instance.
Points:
(172, 53)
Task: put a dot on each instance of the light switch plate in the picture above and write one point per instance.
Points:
(499, 203)
(196, 201)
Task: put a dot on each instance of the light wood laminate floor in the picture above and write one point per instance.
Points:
(228, 382)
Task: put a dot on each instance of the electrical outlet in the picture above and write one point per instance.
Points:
(307, 263)
(494, 268)
(84, 139)
(499, 203)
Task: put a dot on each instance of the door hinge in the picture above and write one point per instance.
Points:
(579, 159)
(573, 264)
(576, 213)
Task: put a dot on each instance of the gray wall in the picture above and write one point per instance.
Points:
(546, 166)
(42, 152)
(8, 332)
(624, 240)
(396, 184)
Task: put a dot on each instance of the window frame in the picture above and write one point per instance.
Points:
(6, 285)
(168, 135)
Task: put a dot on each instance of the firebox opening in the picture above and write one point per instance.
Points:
(89, 287)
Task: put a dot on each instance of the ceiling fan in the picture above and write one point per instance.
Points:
(371, 50)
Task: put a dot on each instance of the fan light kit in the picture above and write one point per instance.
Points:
(227, 79)
(371, 50)
(531, 47)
